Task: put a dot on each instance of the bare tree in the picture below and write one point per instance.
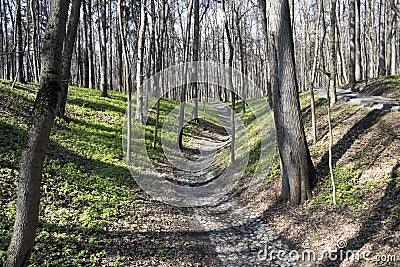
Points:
(196, 44)
(297, 170)
(357, 40)
(103, 49)
(139, 63)
(44, 111)
(394, 7)
(69, 45)
(160, 42)
(184, 87)
(333, 55)
(382, 39)
(18, 37)
(127, 81)
(352, 32)
(230, 81)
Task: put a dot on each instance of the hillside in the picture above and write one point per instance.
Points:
(92, 211)
(94, 214)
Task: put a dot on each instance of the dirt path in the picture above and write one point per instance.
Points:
(236, 228)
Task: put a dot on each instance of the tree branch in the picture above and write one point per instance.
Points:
(394, 8)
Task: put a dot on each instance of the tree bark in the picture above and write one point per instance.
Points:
(68, 50)
(85, 48)
(184, 86)
(44, 110)
(394, 8)
(333, 57)
(19, 53)
(382, 39)
(103, 50)
(139, 62)
(357, 32)
(196, 44)
(92, 82)
(230, 81)
(352, 32)
(160, 45)
(297, 170)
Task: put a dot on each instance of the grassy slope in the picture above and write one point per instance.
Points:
(92, 211)
(386, 87)
(367, 156)
(94, 214)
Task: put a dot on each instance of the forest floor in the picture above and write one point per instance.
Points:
(94, 214)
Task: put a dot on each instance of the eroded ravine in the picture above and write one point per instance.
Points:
(237, 230)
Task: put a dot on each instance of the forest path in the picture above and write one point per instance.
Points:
(237, 230)
(364, 100)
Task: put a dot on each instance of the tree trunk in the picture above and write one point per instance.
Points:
(357, 31)
(333, 57)
(314, 74)
(242, 63)
(352, 32)
(394, 8)
(160, 41)
(382, 39)
(139, 63)
(184, 86)
(196, 44)
(6, 45)
(85, 48)
(110, 55)
(69, 45)
(44, 110)
(2, 73)
(103, 49)
(127, 83)
(19, 52)
(92, 82)
(297, 169)
(230, 81)
(33, 12)
(392, 38)
(263, 10)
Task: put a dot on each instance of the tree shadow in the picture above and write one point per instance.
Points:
(142, 245)
(344, 144)
(374, 222)
(137, 246)
(306, 112)
(335, 124)
(97, 106)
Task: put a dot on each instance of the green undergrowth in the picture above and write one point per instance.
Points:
(87, 189)
(352, 192)
(86, 186)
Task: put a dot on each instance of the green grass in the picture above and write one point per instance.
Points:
(86, 187)
(87, 190)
